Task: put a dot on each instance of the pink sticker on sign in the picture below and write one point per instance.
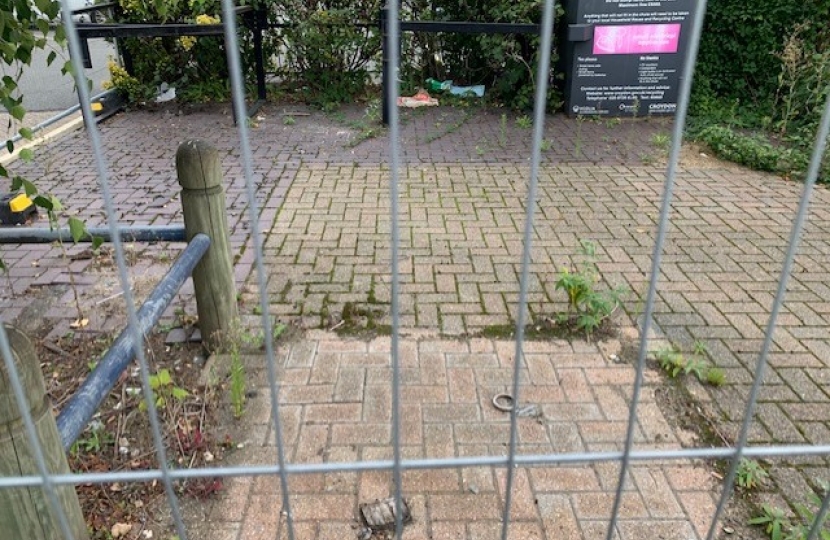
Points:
(636, 39)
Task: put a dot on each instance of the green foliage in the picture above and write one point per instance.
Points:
(585, 303)
(237, 387)
(773, 520)
(779, 526)
(524, 122)
(674, 363)
(164, 390)
(94, 439)
(738, 36)
(505, 64)
(768, 118)
(715, 376)
(195, 66)
(750, 474)
(750, 150)
(328, 57)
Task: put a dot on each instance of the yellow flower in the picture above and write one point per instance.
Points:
(187, 42)
(207, 19)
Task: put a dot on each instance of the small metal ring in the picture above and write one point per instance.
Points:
(501, 398)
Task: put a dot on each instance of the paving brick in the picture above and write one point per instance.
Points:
(469, 507)
(349, 386)
(593, 505)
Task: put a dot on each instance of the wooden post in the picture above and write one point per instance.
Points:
(25, 512)
(203, 202)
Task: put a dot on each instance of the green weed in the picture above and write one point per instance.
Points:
(750, 474)
(503, 130)
(164, 390)
(674, 363)
(779, 526)
(237, 385)
(524, 122)
(588, 306)
(661, 141)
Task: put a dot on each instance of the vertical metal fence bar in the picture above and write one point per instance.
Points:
(789, 259)
(393, 49)
(112, 222)
(819, 519)
(657, 255)
(542, 76)
(31, 434)
(238, 95)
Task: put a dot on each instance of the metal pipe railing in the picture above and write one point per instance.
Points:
(157, 233)
(74, 417)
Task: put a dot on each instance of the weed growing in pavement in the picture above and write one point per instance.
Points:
(288, 120)
(237, 387)
(779, 526)
(451, 128)
(661, 141)
(648, 159)
(774, 520)
(675, 364)
(524, 122)
(503, 130)
(587, 306)
(546, 145)
(750, 474)
(578, 140)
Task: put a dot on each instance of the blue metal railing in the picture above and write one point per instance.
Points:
(82, 406)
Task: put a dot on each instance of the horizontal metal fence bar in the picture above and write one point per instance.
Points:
(524, 460)
(458, 27)
(61, 115)
(153, 233)
(74, 417)
(124, 30)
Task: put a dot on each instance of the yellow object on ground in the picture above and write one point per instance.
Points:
(97, 107)
(20, 203)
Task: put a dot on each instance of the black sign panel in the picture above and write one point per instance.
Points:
(625, 57)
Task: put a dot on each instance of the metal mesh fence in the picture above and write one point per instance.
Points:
(511, 460)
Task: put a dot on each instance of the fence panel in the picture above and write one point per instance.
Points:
(397, 464)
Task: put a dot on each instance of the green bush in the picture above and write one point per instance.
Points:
(195, 66)
(748, 150)
(735, 58)
(327, 56)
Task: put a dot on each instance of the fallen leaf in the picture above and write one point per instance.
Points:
(79, 323)
(115, 487)
(121, 529)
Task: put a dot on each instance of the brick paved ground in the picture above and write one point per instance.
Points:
(336, 402)
(462, 210)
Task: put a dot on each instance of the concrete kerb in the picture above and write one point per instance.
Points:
(44, 136)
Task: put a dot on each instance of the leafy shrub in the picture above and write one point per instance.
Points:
(749, 150)
(326, 54)
(738, 36)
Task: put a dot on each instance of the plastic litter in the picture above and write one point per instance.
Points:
(434, 85)
(420, 99)
(469, 91)
(438, 86)
(165, 93)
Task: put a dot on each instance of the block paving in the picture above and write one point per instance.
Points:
(335, 402)
(325, 211)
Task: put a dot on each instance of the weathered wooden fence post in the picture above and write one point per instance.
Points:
(203, 202)
(25, 511)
